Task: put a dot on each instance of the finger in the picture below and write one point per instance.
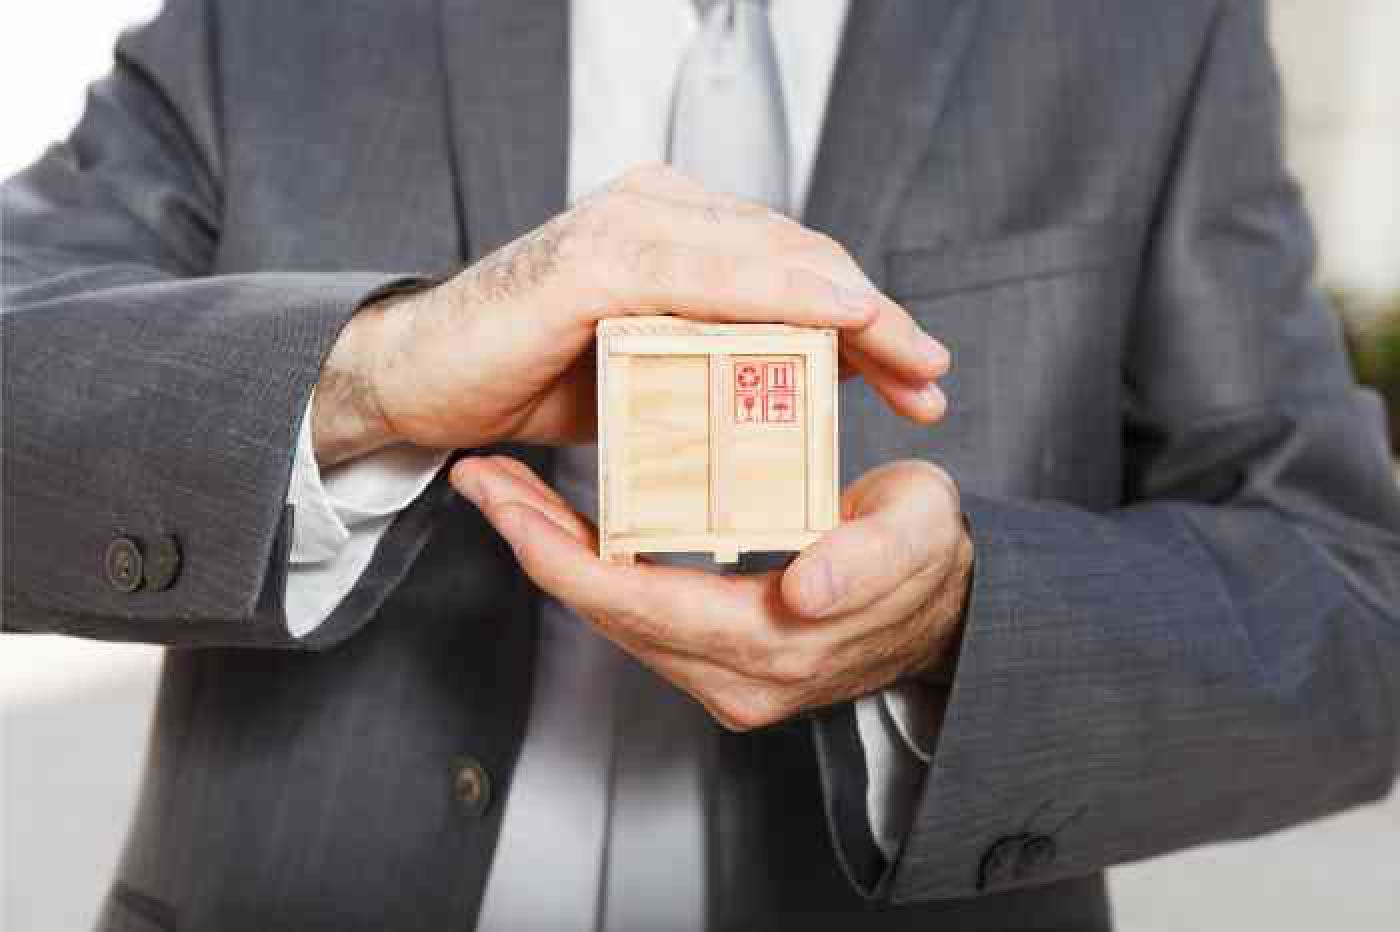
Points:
(903, 525)
(924, 402)
(488, 478)
(648, 276)
(895, 341)
(519, 471)
(497, 480)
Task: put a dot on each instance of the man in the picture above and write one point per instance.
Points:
(1147, 598)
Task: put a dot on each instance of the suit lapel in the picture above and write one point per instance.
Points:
(507, 66)
(898, 61)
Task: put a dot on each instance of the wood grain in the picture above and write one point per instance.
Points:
(714, 438)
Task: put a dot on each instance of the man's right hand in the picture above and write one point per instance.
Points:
(499, 352)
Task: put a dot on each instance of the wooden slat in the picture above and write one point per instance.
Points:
(720, 419)
(747, 542)
(666, 466)
(613, 442)
(665, 325)
(761, 345)
(823, 482)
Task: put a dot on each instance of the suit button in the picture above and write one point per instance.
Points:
(471, 785)
(163, 562)
(1000, 861)
(124, 565)
(1037, 854)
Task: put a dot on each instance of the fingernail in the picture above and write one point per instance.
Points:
(855, 302)
(486, 487)
(468, 484)
(936, 352)
(934, 398)
(817, 587)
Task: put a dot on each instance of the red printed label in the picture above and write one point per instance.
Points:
(765, 393)
(780, 408)
(780, 376)
(748, 408)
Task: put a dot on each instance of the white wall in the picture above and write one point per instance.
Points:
(75, 714)
(1341, 62)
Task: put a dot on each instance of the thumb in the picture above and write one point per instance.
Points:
(902, 517)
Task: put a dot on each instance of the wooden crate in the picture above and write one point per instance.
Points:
(714, 438)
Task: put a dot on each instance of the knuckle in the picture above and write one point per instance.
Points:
(746, 710)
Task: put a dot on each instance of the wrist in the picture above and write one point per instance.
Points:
(347, 416)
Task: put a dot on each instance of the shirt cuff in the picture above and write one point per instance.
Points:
(340, 516)
(898, 727)
(914, 710)
(330, 504)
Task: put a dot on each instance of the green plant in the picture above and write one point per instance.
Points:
(1374, 343)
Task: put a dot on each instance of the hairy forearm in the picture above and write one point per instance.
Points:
(346, 418)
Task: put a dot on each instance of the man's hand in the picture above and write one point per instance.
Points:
(878, 598)
(499, 352)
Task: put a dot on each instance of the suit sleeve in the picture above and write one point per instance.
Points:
(1220, 657)
(149, 403)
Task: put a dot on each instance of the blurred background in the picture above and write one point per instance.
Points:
(75, 714)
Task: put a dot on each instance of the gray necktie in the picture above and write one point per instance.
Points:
(728, 131)
(728, 120)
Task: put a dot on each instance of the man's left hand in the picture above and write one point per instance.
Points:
(878, 598)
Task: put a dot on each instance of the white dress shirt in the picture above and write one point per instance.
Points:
(624, 58)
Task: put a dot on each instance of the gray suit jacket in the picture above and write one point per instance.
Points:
(1185, 623)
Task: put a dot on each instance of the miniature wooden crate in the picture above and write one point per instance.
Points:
(714, 438)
